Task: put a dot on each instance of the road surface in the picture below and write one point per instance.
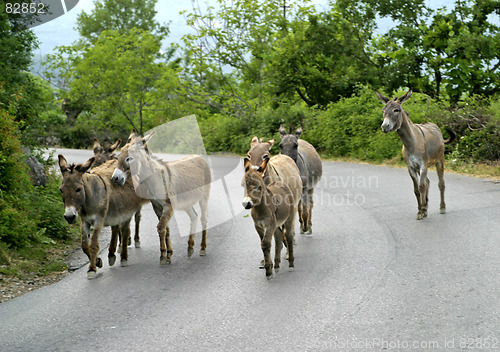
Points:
(371, 277)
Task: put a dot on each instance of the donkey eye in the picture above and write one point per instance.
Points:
(248, 156)
(78, 190)
(396, 110)
(129, 159)
(61, 190)
(265, 156)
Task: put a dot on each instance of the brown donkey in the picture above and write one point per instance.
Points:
(102, 155)
(310, 168)
(93, 198)
(273, 212)
(175, 185)
(423, 146)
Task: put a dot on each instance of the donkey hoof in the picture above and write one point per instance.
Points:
(137, 244)
(269, 277)
(203, 252)
(276, 270)
(165, 261)
(190, 252)
(420, 216)
(291, 268)
(91, 275)
(111, 260)
(99, 263)
(442, 210)
(124, 263)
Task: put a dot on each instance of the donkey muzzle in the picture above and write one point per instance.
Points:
(247, 203)
(118, 177)
(71, 215)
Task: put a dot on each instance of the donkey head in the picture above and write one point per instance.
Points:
(131, 158)
(259, 151)
(290, 142)
(253, 183)
(72, 188)
(102, 155)
(393, 111)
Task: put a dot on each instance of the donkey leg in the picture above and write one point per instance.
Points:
(266, 250)
(95, 261)
(289, 240)
(301, 216)
(137, 220)
(423, 188)
(310, 204)
(85, 230)
(193, 217)
(204, 225)
(414, 177)
(115, 232)
(278, 241)
(440, 172)
(164, 233)
(125, 235)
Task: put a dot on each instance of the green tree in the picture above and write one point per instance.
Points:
(117, 75)
(451, 53)
(228, 56)
(119, 15)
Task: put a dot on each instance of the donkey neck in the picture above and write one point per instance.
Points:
(266, 206)
(408, 132)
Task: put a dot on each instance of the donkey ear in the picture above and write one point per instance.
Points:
(132, 135)
(381, 97)
(97, 146)
(298, 132)
(405, 97)
(83, 168)
(147, 138)
(262, 167)
(282, 130)
(271, 143)
(254, 141)
(63, 164)
(112, 148)
(246, 164)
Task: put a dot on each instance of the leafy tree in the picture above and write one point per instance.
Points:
(119, 15)
(454, 52)
(228, 57)
(323, 59)
(117, 75)
(120, 22)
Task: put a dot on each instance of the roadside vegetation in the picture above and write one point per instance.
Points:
(245, 68)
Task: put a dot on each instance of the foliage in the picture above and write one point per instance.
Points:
(451, 53)
(121, 16)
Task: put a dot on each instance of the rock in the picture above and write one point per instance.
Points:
(37, 171)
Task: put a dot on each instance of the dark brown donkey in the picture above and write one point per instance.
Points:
(423, 146)
(272, 212)
(310, 168)
(102, 155)
(93, 198)
(171, 186)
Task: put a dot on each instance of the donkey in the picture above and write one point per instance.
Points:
(171, 186)
(280, 168)
(273, 212)
(101, 155)
(99, 203)
(310, 168)
(423, 146)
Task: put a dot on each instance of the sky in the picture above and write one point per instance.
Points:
(61, 31)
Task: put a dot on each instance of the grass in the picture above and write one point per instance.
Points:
(44, 259)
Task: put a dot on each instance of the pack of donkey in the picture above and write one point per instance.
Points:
(109, 190)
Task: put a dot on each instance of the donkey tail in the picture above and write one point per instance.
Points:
(452, 134)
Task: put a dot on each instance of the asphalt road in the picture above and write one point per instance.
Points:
(371, 277)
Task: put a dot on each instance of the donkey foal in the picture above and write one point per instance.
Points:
(273, 212)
